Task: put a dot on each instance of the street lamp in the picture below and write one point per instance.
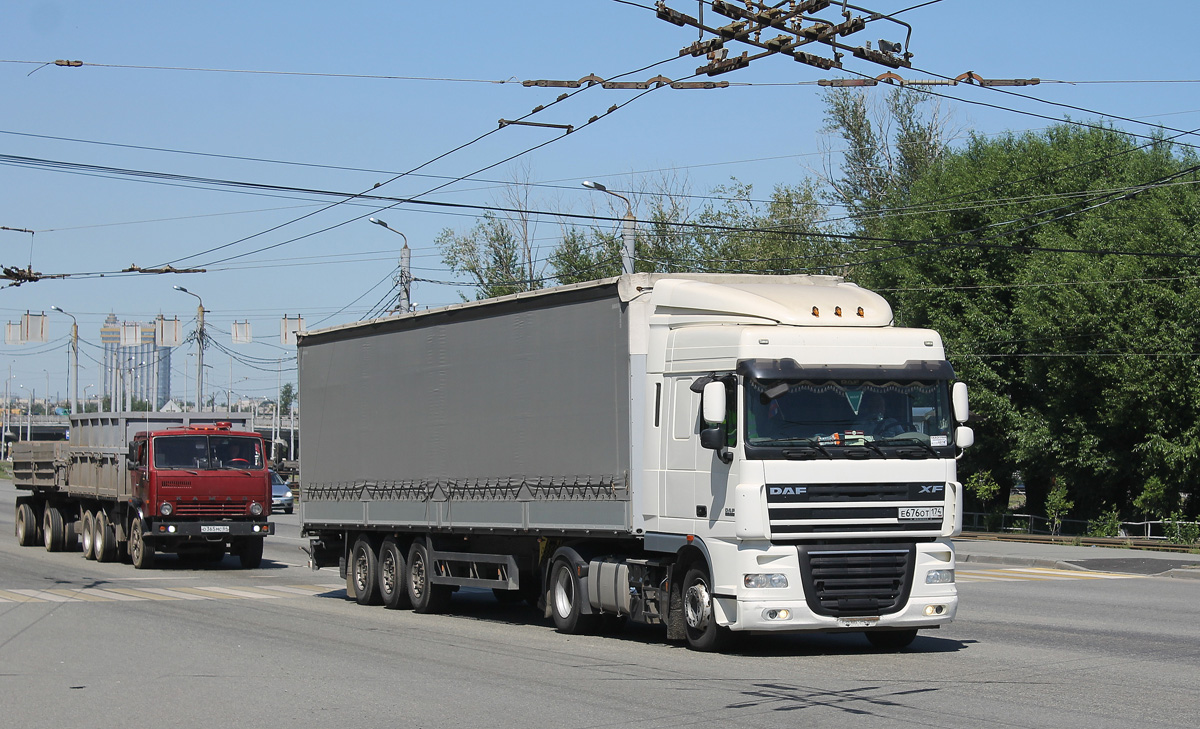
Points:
(628, 233)
(29, 413)
(199, 347)
(74, 358)
(405, 274)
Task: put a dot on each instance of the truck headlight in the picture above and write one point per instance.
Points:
(771, 580)
(165, 509)
(256, 508)
(939, 577)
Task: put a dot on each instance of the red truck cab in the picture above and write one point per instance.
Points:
(199, 489)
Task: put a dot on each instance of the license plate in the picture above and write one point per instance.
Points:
(921, 513)
(857, 622)
(205, 529)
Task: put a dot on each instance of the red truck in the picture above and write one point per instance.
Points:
(135, 484)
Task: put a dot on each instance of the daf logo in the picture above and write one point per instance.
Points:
(787, 490)
(933, 488)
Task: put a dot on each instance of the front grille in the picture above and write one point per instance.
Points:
(211, 508)
(849, 581)
(799, 510)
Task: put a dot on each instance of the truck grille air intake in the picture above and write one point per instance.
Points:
(857, 581)
(799, 511)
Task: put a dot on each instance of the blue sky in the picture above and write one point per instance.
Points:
(346, 128)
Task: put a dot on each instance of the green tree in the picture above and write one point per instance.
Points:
(287, 397)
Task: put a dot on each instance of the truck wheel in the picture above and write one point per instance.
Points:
(565, 603)
(27, 526)
(425, 596)
(391, 576)
(104, 538)
(891, 640)
(250, 553)
(141, 552)
(89, 535)
(52, 529)
(703, 633)
(364, 569)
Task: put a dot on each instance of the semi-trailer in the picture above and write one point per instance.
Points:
(132, 484)
(714, 453)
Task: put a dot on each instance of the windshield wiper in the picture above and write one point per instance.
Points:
(812, 449)
(914, 441)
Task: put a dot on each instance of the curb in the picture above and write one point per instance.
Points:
(1182, 574)
(1021, 561)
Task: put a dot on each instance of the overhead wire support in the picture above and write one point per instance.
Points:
(751, 21)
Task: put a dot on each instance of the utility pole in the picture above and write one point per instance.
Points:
(628, 231)
(405, 280)
(74, 359)
(199, 348)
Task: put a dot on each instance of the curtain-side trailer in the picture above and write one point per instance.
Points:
(716, 453)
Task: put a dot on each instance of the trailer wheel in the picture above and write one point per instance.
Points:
(141, 552)
(27, 526)
(364, 570)
(703, 633)
(52, 529)
(425, 596)
(250, 553)
(392, 569)
(891, 640)
(89, 535)
(566, 606)
(104, 537)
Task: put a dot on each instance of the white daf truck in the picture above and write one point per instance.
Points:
(715, 453)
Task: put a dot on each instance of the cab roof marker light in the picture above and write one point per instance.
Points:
(861, 313)
(816, 311)
(837, 311)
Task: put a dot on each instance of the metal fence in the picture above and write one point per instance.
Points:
(1034, 524)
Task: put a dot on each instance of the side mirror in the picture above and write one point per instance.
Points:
(958, 398)
(712, 438)
(964, 437)
(712, 403)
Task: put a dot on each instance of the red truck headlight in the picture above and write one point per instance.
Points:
(166, 508)
(256, 509)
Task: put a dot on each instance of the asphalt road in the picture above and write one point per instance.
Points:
(85, 644)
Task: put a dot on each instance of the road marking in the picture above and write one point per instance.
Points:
(1036, 574)
(44, 596)
(65, 595)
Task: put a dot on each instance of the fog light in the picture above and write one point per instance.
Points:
(171, 529)
(256, 508)
(256, 528)
(772, 580)
(777, 614)
(165, 509)
(939, 577)
(935, 610)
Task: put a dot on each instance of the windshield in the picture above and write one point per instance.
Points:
(208, 452)
(824, 413)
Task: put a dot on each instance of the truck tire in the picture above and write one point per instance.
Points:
(141, 552)
(392, 571)
(425, 596)
(250, 553)
(364, 570)
(27, 526)
(566, 601)
(104, 537)
(52, 529)
(891, 640)
(703, 633)
(88, 535)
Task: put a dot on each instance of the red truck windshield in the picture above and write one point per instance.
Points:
(208, 452)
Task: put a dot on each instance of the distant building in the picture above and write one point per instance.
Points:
(134, 366)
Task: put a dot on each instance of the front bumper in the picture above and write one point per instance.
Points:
(917, 604)
(208, 530)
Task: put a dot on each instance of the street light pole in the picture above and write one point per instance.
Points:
(28, 413)
(405, 271)
(199, 347)
(74, 358)
(628, 230)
